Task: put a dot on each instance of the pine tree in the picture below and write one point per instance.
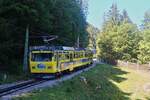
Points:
(113, 15)
(146, 21)
(64, 18)
(119, 37)
(144, 45)
(125, 17)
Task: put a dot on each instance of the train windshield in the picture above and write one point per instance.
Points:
(44, 57)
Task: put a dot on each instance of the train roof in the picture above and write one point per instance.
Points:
(52, 48)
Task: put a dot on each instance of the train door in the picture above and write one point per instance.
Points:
(58, 58)
(71, 61)
(71, 56)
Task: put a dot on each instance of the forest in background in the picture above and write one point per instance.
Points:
(63, 18)
(121, 39)
(118, 39)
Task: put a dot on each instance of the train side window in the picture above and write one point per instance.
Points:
(54, 57)
(70, 56)
(86, 54)
(67, 56)
(81, 54)
(59, 56)
(63, 56)
(76, 55)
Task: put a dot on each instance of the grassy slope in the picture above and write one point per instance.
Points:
(103, 83)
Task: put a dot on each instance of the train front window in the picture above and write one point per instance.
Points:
(44, 57)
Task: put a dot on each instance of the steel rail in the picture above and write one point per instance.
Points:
(23, 85)
(20, 86)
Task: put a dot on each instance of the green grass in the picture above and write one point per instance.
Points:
(104, 82)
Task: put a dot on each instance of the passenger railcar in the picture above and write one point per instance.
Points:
(45, 61)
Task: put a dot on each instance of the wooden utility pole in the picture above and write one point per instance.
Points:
(26, 48)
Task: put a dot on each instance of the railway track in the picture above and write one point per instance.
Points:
(36, 84)
(20, 86)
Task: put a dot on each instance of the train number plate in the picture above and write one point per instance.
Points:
(41, 66)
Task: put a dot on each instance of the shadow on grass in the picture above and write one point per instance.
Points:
(96, 86)
(148, 98)
(101, 87)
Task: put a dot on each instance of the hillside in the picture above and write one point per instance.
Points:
(104, 82)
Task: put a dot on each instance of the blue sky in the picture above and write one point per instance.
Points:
(135, 9)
